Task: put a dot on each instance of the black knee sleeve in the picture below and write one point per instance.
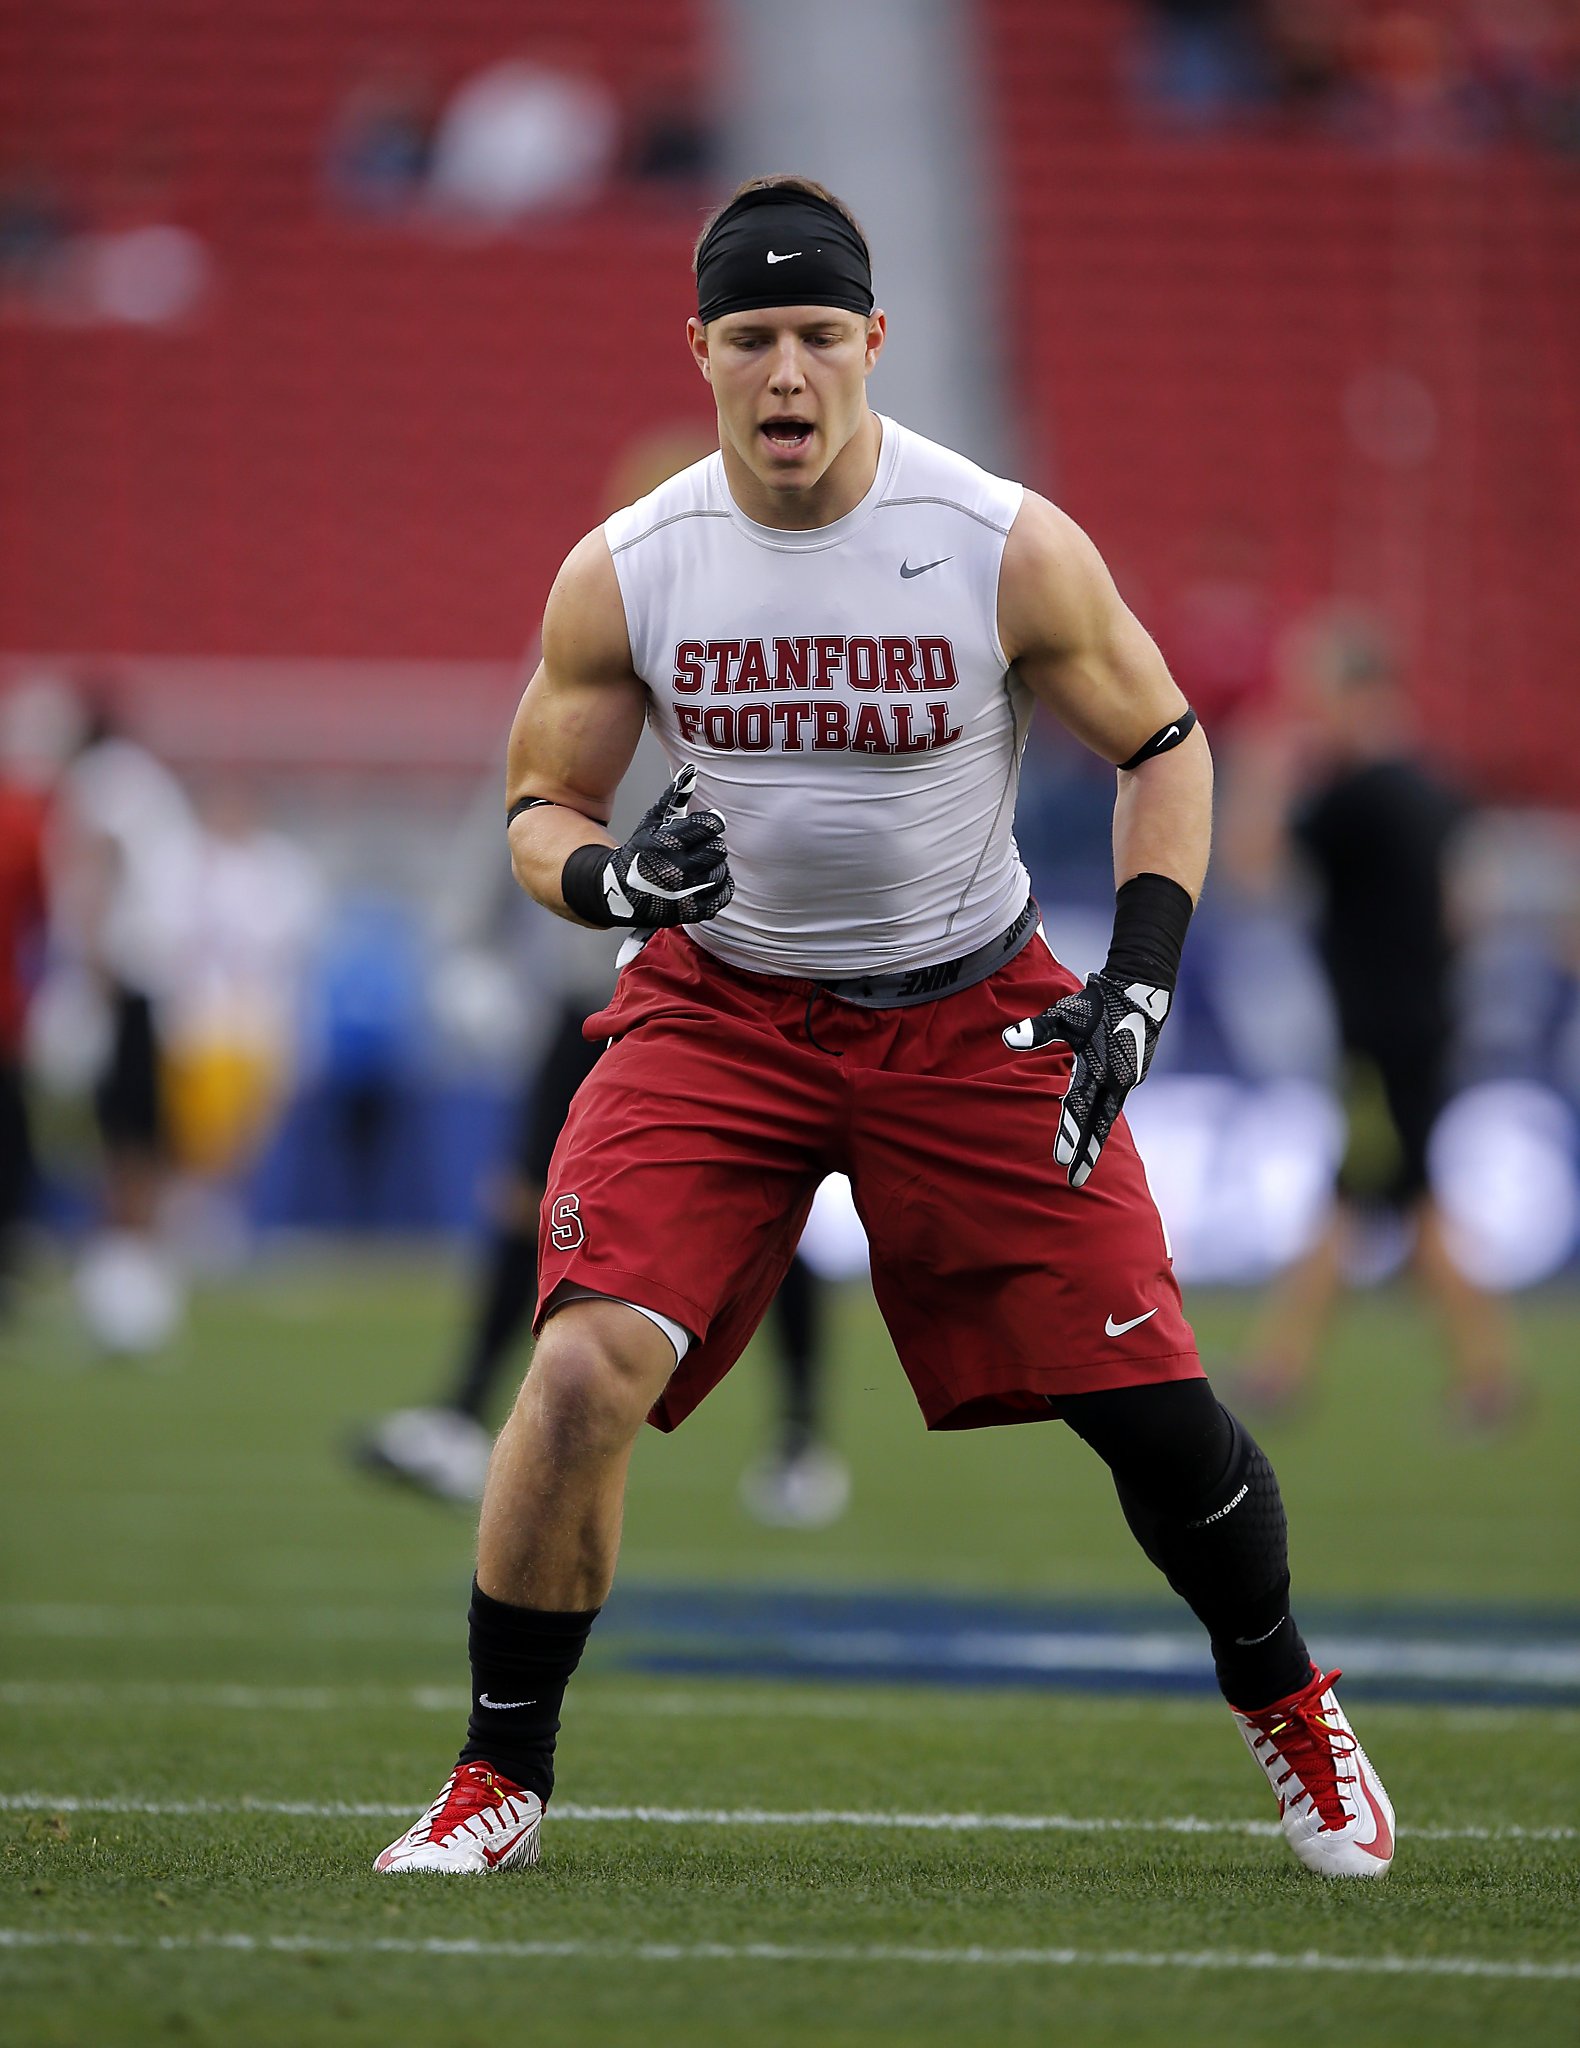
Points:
(1209, 1515)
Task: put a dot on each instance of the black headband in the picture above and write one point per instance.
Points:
(780, 247)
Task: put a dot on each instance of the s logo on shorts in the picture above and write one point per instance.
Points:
(565, 1220)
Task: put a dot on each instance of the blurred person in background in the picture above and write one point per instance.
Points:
(533, 131)
(36, 224)
(369, 999)
(124, 869)
(380, 144)
(37, 721)
(235, 1009)
(1341, 787)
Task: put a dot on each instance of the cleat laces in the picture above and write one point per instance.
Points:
(1312, 1748)
(472, 1788)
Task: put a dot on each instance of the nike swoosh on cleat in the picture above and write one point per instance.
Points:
(1381, 1844)
(502, 1706)
(1114, 1329)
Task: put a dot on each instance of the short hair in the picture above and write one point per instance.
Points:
(781, 181)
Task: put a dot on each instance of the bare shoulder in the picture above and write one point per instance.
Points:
(1054, 587)
(584, 629)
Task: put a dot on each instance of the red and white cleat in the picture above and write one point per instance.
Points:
(479, 1822)
(1336, 1816)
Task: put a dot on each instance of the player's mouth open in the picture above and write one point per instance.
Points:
(788, 436)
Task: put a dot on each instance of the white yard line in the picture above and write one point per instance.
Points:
(859, 1954)
(650, 1698)
(747, 1817)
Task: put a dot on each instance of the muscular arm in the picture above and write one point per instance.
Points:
(1084, 654)
(577, 725)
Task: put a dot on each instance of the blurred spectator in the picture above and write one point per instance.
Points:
(123, 875)
(141, 266)
(35, 227)
(127, 261)
(1308, 51)
(1410, 75)
(371, 999)
(36, 723)
(235, 1013)
(1198, 63)
(671, 139)
(1377, 832)
(523, 135)
(381, 143)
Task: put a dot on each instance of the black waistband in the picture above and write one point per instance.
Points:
(907, 985)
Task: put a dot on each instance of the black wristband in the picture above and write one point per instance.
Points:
(1151, 915)
(581, 884)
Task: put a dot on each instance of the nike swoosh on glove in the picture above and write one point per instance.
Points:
(673, 869)
(1112, 1029)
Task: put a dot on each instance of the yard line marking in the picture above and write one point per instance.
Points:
(751, 1817)
(1517, 1967)
(306, 1699)
(640, 1696)
(647, 1698)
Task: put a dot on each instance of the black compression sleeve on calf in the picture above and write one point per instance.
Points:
(581, 884)
(1151, 916)
(522, 1660)
(1203, 1502)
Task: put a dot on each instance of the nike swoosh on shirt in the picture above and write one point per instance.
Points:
(921, 569)
(1118, 1329)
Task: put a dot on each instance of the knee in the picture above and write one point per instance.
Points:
(596, 1372)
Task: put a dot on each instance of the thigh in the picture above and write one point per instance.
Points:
(1004, 1288)
(682, 1180)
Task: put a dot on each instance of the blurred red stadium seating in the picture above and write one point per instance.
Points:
(1200, 325)
(376, 442)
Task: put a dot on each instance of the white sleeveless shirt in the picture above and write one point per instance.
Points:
(848, 706)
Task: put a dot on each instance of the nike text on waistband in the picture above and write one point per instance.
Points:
(909, 985)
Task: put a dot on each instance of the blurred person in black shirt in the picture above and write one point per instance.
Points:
(1376, 831)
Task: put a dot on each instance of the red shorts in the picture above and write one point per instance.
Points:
(687, 1166)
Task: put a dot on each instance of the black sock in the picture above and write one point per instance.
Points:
(510, 1285)
(1203, 1502)
(522, 1660)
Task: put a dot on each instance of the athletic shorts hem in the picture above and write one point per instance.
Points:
(1019, 1394)
(636, 1290)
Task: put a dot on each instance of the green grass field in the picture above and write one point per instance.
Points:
(231, 1670)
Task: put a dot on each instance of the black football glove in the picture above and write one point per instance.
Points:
(673, 869)
(1112, 1029)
